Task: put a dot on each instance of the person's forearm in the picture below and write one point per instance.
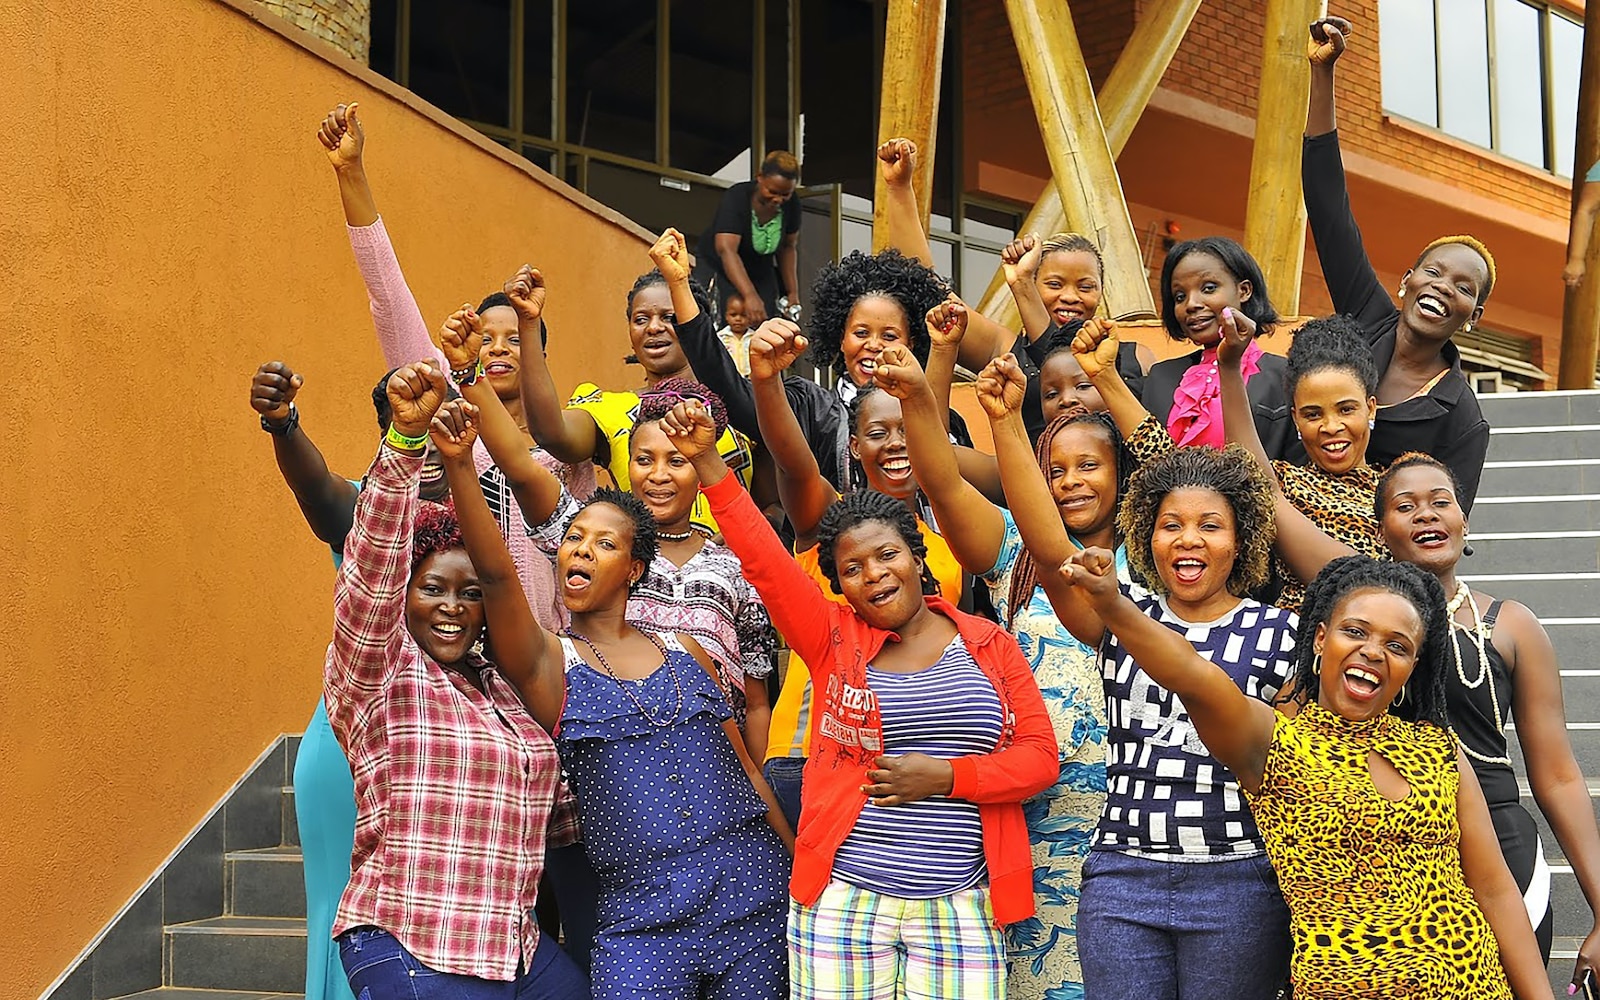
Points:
(1566, 804)
(781, 431)
(1507, 915)
(568, 435)
(941, 374)
(480, 532)
(752, 770)
(326, 500)
(402, 333)
(733, 270)
(904, 220)
(789, 271)
(355, 194)
(1038, 520)
(1582, 229)
(1030, 306)
(1238, 422)
(684, 307)
(536, 489)
(1320, 116)
(1125, 409)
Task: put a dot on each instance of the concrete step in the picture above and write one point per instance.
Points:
(1523, 409)
(1585, 738)
(1555, 594)
(179, 993)
(1537, 512)
(1545, 441)
(1546, 551)
(291, 823)
(1536, 477)
(255, 955)
(1577, 644)
(265, 883)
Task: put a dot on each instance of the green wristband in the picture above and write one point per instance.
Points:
(404, 443)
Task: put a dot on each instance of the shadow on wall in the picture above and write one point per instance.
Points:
(170, 223)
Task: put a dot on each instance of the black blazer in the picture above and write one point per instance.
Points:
(1268, 401)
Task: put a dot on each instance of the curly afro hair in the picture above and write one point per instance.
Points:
(1423, 697)
(1236, 260)
(702, 298)
(1334, 343)
(660, 398)
(859, 507)
(1409, 460)
(1228, 471)
(645, 544)
(435, 530)
(1025, 572)
(840, 286)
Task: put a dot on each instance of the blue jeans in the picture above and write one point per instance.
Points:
(1160, 930)
(577, 891)
(381, 969)
(784, 774)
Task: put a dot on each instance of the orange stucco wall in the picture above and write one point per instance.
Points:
(167, 223)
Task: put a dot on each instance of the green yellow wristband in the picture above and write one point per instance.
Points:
(404, 443)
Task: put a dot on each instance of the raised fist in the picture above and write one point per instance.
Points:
(1020, 258)
(1095, 346)
(1001, 387)
(461, 339)
(416, 391)
(526, 290)
(691, 429)
(1237, 332)
(1095, 570)
(898, 373)
(947, 322)
(454, 428)
(1326, 43)
(670, 254)
(897, 159)
(272, 389)
(342, 137)
(775, 346)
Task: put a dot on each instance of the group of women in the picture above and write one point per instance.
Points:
(1233, 728)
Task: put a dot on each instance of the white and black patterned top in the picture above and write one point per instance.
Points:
(1166, 796)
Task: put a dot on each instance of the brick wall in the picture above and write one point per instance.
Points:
(344, 24)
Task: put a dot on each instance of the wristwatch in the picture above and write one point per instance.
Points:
(288, 424)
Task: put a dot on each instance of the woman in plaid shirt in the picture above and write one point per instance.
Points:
(455, 780)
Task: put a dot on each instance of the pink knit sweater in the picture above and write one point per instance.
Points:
(403, 337)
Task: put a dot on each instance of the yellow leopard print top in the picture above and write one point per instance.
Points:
(1378, 904)
(1340, 505)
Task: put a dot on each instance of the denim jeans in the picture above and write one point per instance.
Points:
(1160, 930)
(783, 774)
(577, 892)
(379, 968)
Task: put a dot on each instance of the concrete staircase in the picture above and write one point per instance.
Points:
(1535, 532)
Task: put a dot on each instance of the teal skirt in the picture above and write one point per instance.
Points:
(325, 809)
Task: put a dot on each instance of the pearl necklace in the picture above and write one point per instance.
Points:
(1463, 596)
(665, 536)
(627, 689)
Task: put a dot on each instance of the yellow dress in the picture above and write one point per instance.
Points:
(614, 413)
(1378, 904)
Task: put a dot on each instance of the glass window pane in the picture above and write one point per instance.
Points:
(611, 76)
(978, 266)
(381, 56)
(1406, 50)
(854, 235)
(1519, 86)
(541, 158)
(712, 60)
(777, 95)
(1566, 61)
(1464, 71)
(461, 57)
(990, 225)
(538, 68)
(944, 257)
(642, 197)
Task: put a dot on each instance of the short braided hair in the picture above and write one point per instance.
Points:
(1230, 472)
(1425, 689)
(702, 298)
(1073, 243)
(859, 507)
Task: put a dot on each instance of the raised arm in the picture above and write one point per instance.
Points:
(947, 327)
(1000, 391)
(792, 597)
(1020, 263)
(536, 488)
(1234, 727)
(1238, 420)
(972, 526)
(805, 492)
(568, 434)
(1095, 346)
(370, 599)
(326, 501)
(1558, 783)
(1584, 210)
(529, 656)
(1352, 283)
(1495, 890)
(402, 333)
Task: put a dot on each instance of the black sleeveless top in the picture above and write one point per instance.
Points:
(1474, 711)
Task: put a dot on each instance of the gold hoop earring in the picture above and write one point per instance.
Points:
(1402, 699)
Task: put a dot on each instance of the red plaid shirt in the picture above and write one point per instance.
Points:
(455, 787)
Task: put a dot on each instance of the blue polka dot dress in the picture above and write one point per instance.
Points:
(693, 882)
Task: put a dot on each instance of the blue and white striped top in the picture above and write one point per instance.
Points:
(920, 850)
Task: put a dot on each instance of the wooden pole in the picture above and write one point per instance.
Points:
(1275, 219)
(1122, 101)
(1081, 163)
(1580, 316)
(913, 60)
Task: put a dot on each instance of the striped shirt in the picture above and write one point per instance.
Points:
(919, 850)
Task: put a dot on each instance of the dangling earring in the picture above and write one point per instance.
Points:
(1402, 291)
(1466, 328)
(1402, 699)
(1372, 424)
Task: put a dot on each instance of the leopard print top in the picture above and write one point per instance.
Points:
(1340, 505)
(1379, 907)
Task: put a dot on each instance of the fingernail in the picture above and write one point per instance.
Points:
(1572, 988)
(1227, 312)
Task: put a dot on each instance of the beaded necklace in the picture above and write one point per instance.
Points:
(627, 689)
(1462, 596)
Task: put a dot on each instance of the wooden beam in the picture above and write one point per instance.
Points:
(1122, 101)
(913, 61)
(1580, 317)
(1275, 218)
(1081, 163)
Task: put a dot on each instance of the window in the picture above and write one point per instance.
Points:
(1499, 73)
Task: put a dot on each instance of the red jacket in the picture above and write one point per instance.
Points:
(847, 732)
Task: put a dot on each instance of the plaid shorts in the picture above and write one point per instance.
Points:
(855, 944)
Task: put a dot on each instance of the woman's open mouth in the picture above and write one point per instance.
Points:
(1430, 538)
(1432, 306)
(1188, 571)
(897, 467)
(1361, 683)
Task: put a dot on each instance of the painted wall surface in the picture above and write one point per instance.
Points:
(169, 222)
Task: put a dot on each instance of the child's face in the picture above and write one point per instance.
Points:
(733, 315)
